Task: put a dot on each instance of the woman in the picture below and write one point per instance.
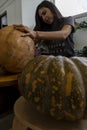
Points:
(54, 30)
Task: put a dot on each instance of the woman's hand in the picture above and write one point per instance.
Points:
(31, 34)
(21, 28)
(28, 31)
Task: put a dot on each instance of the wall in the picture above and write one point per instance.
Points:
(28, 12)
(80, 36)
(13, 8)
(20, 11)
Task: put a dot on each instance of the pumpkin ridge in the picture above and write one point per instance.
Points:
(58, 104)
(71, 68)
(80, 63)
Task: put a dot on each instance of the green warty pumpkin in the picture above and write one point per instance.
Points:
(56, 85)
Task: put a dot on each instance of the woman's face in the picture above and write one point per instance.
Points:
(46, 15)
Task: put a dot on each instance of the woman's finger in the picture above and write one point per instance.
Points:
(25, 35)
(18, 25)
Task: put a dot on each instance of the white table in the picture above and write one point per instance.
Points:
(27, 117)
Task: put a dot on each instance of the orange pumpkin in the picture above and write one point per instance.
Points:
(15, 51)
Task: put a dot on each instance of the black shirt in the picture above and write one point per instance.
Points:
(64, 47)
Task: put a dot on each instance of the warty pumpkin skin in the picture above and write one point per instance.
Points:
(15, 51)
(56, 85)
(81, 63)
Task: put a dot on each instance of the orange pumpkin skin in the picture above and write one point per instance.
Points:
(15, 50)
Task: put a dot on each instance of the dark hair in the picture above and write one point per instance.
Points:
(40, 25)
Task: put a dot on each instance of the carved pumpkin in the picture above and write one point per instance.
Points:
(56, 85)
(15, 51)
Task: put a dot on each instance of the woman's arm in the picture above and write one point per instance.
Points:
(54, 35)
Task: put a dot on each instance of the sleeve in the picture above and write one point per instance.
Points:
(70, 20)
